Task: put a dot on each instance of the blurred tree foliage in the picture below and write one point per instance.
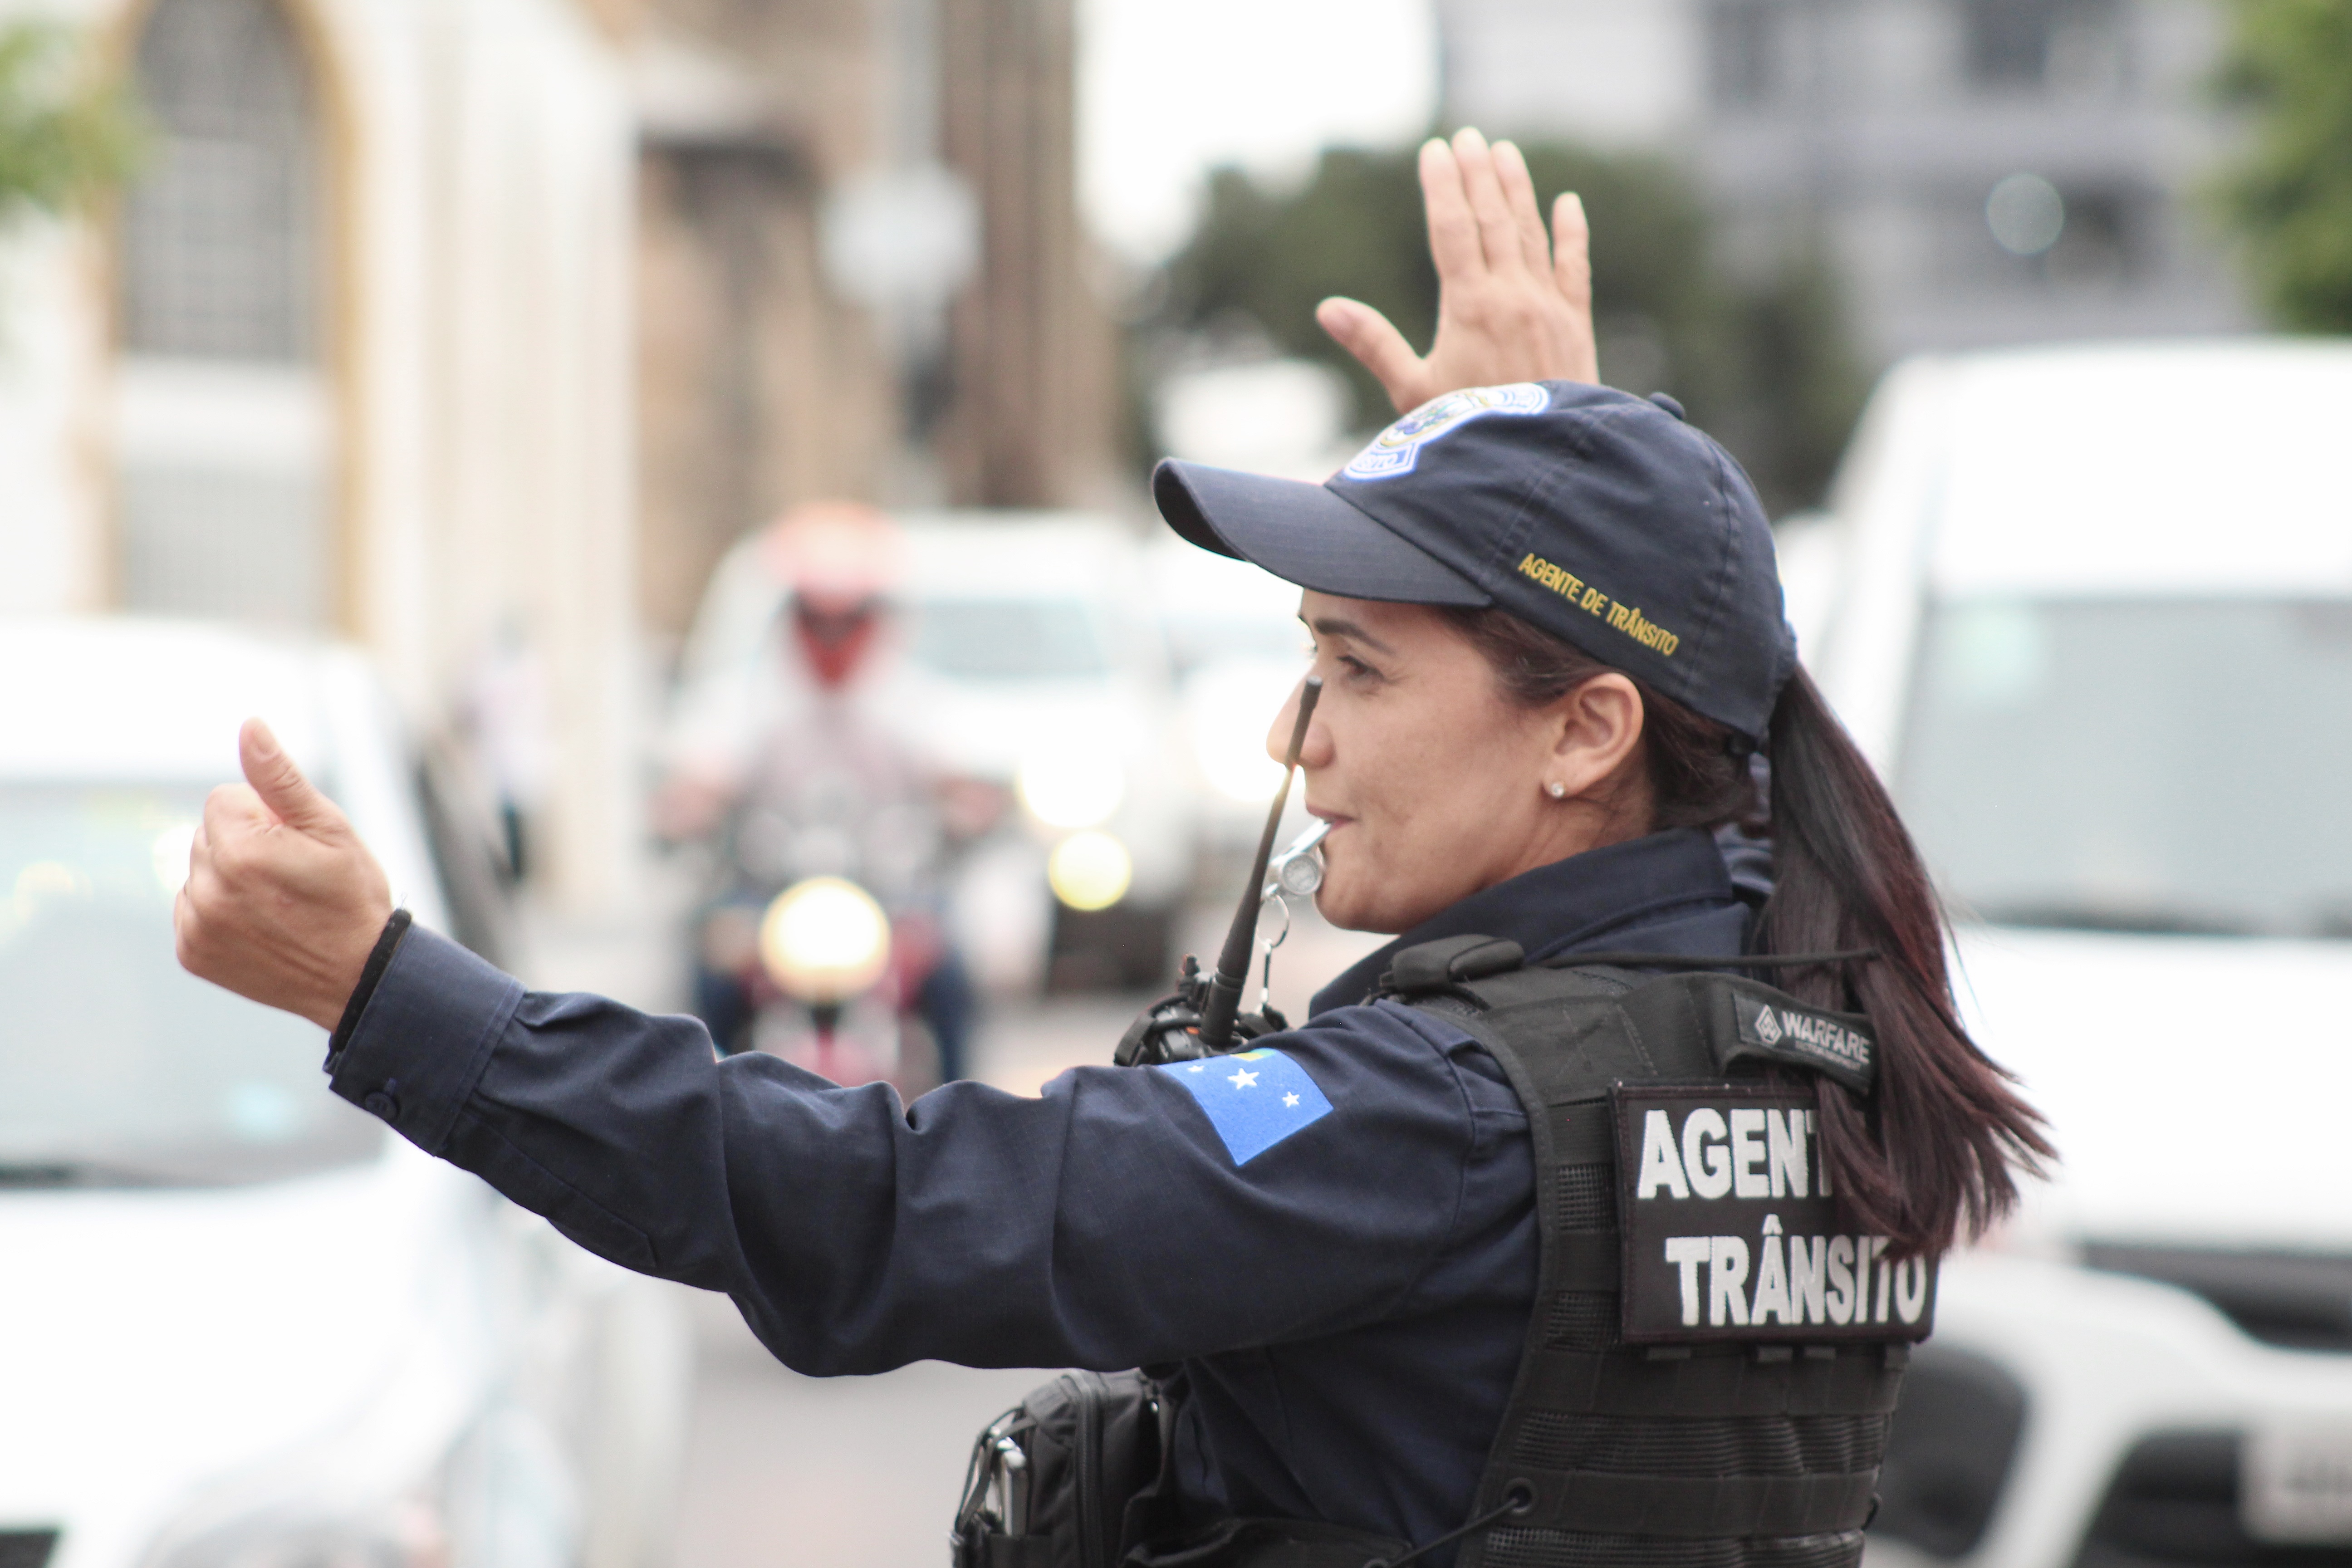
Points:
(1766, 366)
(2290, 69)
(64, 137)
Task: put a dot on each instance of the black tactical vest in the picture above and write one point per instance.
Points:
(1710, 1367)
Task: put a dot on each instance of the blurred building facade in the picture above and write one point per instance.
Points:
(352, 356)
(1601, 72)
(476, 330)
(1884, 128)
(861, 271)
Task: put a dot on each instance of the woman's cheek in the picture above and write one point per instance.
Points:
(1343, 898)
(1339, 874)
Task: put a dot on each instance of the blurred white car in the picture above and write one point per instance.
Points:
(1031, 661)
(242, 1325)
(2091, 616)
(1038, 665)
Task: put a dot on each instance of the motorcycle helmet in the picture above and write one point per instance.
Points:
(840, 562)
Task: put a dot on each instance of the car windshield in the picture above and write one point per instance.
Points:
(116, 1067)
(1008, 640)
(2147, 765)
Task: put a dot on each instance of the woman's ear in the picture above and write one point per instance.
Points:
(1596, 730)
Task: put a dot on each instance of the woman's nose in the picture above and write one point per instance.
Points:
(1317, 749)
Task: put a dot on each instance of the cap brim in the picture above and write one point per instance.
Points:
(1305, 534)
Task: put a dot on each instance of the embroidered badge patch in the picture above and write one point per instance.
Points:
(1395, 449)
(1253, 1099)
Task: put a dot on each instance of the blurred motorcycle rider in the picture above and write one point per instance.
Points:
(795, 751)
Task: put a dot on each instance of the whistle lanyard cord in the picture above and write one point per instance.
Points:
(1517, 1499)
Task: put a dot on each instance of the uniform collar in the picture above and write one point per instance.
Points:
(1670, 889)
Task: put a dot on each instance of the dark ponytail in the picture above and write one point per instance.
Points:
(1935, 1142)
(1930, 1151)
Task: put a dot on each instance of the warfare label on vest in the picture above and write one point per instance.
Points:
(1731, 1232)
(1831, 1043)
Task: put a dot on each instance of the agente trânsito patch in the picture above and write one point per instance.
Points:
(1731, 1233)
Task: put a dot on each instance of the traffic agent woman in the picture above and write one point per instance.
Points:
(1550, 636)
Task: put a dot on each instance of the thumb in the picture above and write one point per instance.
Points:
(292, 798)
(1378, 346)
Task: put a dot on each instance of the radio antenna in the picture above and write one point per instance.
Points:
(1225, 997)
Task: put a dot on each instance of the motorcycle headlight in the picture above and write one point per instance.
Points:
(824, 940)
(1090, 871)
(1071, 789)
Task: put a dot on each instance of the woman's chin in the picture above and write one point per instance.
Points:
(1329, 903)
(1334, 903)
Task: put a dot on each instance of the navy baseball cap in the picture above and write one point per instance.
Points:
(1599, 517)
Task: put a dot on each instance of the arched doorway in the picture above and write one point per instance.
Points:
(225, 428)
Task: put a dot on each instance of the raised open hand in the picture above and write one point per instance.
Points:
(1513, 303)
(282, 902)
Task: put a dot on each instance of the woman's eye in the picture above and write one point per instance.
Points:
(1350, 665)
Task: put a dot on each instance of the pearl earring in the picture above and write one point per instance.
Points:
(1557, 790)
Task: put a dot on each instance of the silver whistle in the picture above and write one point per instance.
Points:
(1299, 869)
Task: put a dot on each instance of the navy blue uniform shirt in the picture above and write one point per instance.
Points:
(1334, 1233)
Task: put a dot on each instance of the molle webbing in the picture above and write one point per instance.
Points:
(1705, 1456)
(1518, 1546)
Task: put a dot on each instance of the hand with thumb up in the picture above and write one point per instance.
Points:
(283, 902)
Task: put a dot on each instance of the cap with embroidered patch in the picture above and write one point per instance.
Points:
(1598, 516)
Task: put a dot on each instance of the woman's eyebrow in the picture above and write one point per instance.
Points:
(1333, 627)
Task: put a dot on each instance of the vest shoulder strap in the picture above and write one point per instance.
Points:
(1743, 1023)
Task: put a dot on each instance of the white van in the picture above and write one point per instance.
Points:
(2091, 615)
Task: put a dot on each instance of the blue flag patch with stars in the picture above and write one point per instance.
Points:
(1255, 1098)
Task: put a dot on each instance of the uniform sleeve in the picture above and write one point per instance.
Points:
(1124, 1216)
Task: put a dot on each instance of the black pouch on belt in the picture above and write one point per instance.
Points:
(1068, 1477)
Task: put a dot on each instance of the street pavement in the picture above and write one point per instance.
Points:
(785, 1471)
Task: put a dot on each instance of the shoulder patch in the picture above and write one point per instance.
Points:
(1395, 449)
(1255, 1100)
